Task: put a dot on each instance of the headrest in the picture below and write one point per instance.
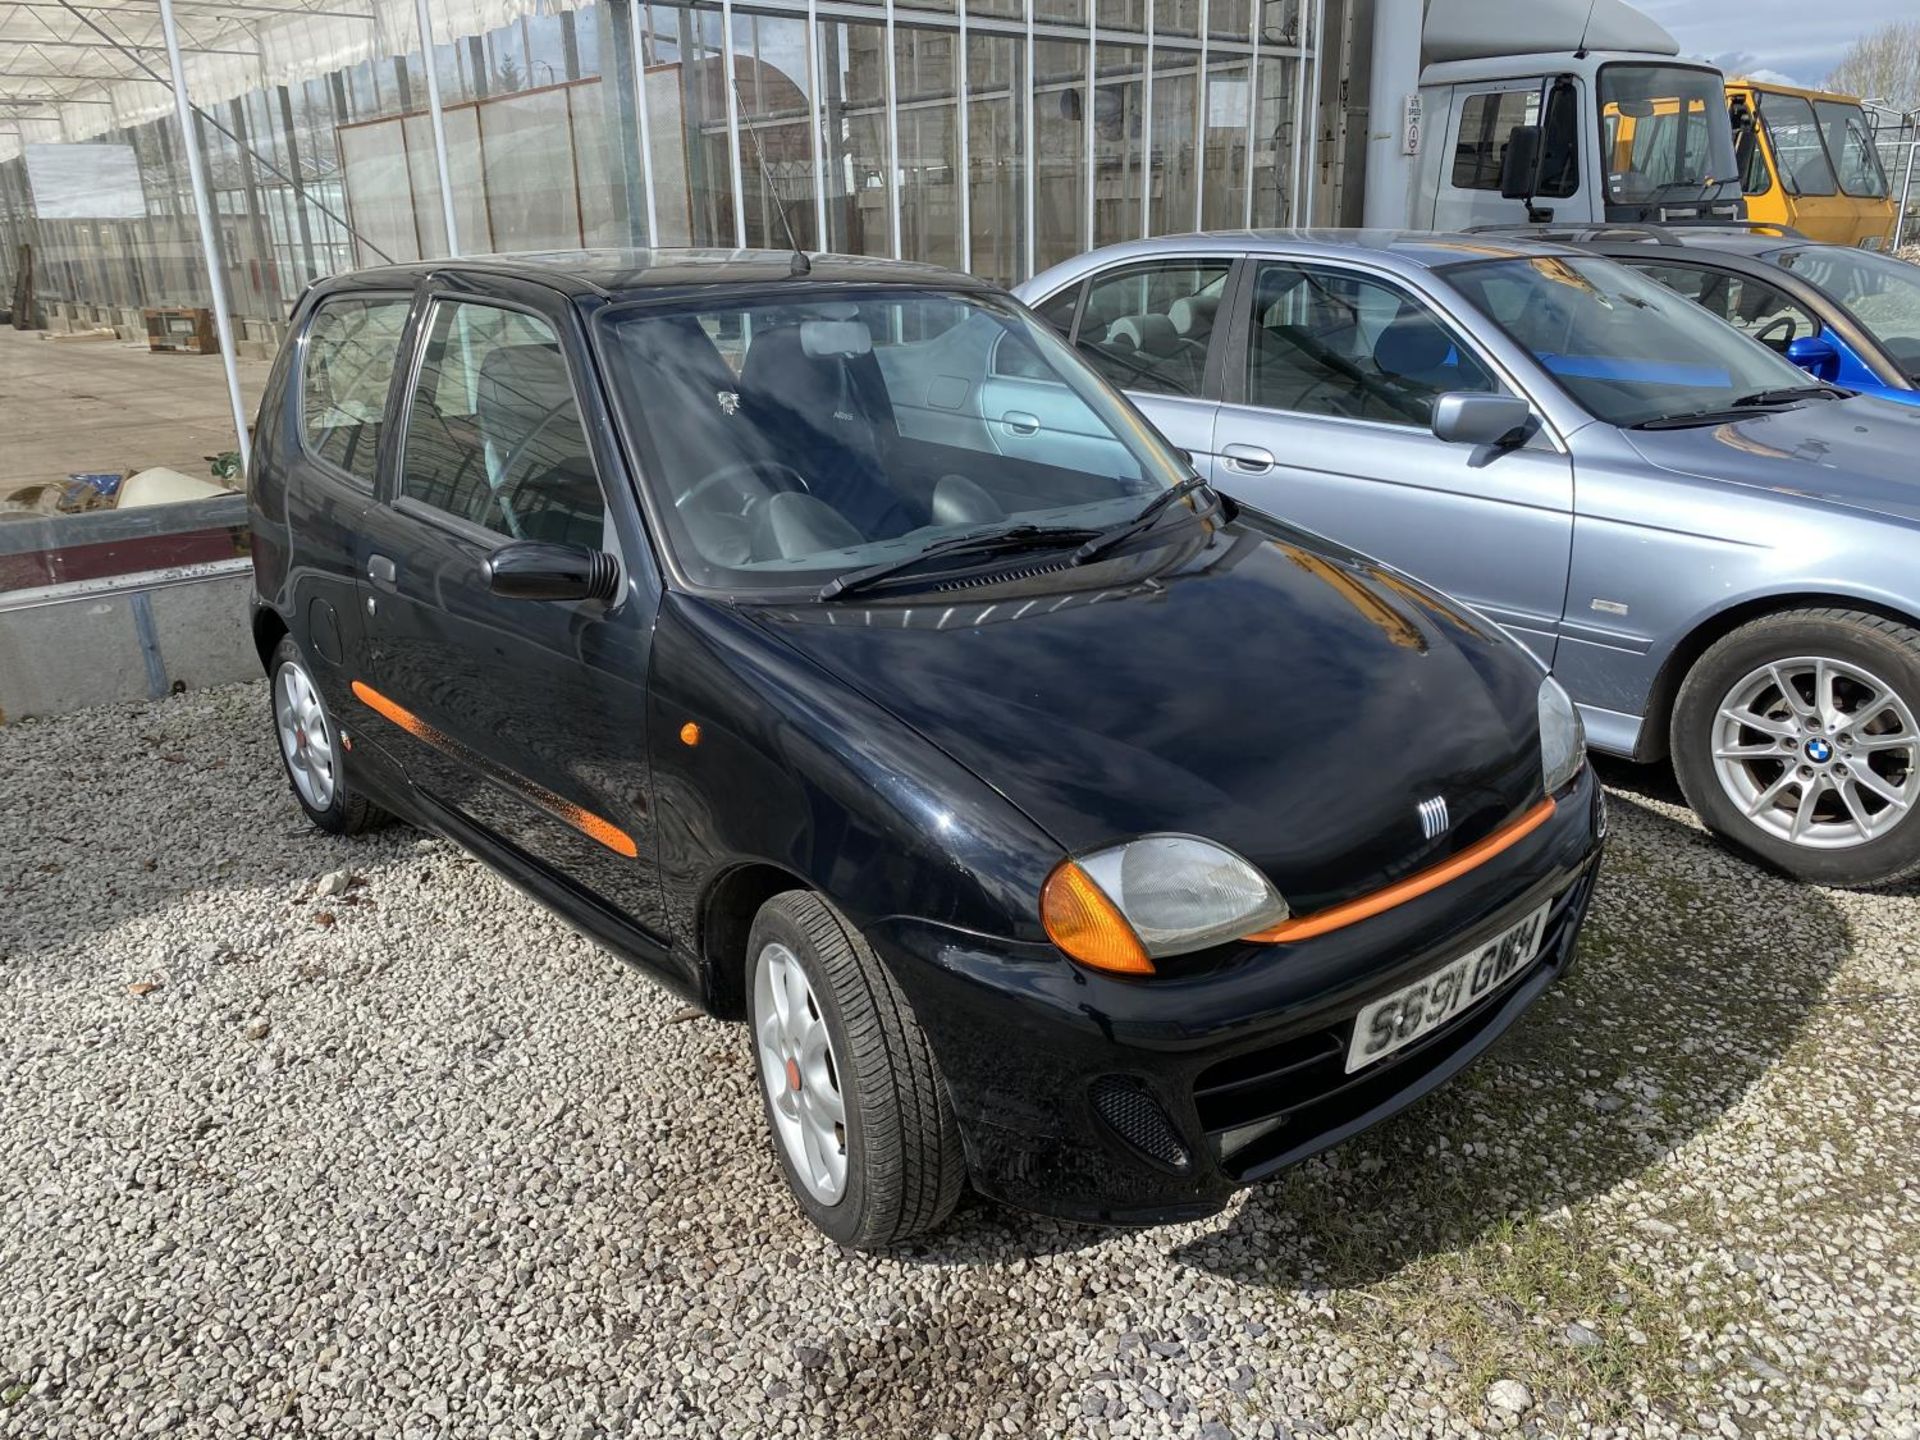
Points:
(824, 339)
(1411, 345)
(1150, 334)
(518, 386)
(1193, 315)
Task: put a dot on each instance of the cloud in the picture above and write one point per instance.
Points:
(1797, 42)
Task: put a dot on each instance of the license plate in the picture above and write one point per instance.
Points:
(1403, 1017)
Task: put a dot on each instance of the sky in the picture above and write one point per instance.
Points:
(1795, 40)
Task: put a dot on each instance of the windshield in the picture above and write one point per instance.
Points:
(1799, 154)
(1623, 345)
(1850, 146)
(798, 435)
(1665, 132)
(1882, 293)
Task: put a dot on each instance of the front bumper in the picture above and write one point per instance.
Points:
(1140, 1102)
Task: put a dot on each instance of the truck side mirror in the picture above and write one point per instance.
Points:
(1520, 163)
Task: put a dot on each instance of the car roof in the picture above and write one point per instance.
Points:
(616, 273)
(1424, 249)
(1636, 239)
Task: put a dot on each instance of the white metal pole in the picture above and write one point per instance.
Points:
(1146, 133)
(966, 150)
(817, 113)
(894, 179)
(733, 128)
(1906, 185)
(637, 26)
(209, 238)
(1200, 127)
(1296, 148)
(1313, 104)
(439, 125)
(1253, 106)
(1032, 147)
(1388, 172)
(1089, 210)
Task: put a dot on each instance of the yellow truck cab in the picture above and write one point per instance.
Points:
(1807, 160)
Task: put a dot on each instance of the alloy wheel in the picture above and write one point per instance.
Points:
(1818, 752)
(305, 737)
(802, 1079)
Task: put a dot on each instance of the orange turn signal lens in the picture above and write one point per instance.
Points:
(1083, 922)
(689, 734)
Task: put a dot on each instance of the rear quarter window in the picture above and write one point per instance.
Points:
(352, 347)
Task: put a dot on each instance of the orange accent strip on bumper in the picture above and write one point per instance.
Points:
(585, 821)
(1305, 927)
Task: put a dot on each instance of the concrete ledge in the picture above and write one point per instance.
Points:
(131, 637)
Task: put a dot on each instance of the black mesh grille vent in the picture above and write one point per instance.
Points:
(1138, 1119)
(1001, 577)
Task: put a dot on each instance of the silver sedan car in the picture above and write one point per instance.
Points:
(1718, 559)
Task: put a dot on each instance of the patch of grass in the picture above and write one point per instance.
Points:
(13, 1394)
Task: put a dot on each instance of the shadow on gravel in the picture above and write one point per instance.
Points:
(1695, 974)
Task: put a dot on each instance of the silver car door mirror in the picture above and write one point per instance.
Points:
(1467, 419)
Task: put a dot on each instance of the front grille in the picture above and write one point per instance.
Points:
(1136, 1117)
(1271, 1102)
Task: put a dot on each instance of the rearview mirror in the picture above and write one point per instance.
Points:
(1464, 419)
(1815, 355)
(539, 570)
(1520, 163)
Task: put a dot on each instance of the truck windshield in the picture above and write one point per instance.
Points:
(1665, 135)
(1798, 151)
(1850, 145)
(1624, 346)
(1883, 294)
(794, 435)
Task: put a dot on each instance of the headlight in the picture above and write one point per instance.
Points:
(1118, 908)
(1563, 739)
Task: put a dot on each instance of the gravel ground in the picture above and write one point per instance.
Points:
(412, 1159)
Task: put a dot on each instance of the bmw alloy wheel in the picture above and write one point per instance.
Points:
(1818, 752)
(305, 737)
(802, 1080)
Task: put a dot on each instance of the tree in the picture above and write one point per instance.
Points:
(1884, 65)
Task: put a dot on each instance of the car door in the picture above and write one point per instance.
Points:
(1329, 388)
(345, 360)
(525, 719)
(1150, 326)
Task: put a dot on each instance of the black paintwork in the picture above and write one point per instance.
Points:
(926, 760)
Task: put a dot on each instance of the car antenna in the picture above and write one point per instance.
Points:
(801, 265)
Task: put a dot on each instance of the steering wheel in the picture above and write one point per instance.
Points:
(752, 482)
(1764, 331)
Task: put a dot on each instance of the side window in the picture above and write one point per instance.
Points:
(1015, 359)
(1797, 147)
(1486, 120)
(1150, 327)
(352, 347)
(1058, 310)
(1324, 342)
(1760, 310)
(493, 433)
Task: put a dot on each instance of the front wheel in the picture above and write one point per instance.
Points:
(860, 1118)
(1796, 738)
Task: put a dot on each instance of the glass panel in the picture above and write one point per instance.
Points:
(1850, 147)
(352, 349)
(687, 120)
(493, 434)
(1150, 328)
(379, 187)
(854, 71)
(1273, 142)
(1798, 150)
(1119, 157)
(1176, 17)
(1762, 311)
(1176, 98)
(532, 202)
(1005, 9)
(1230, 19)
(776, 110)
(1223, 199)
(1327, 343)
(925, 64)
(1060, 154)
(1060, 12)
(1121, 14)
(995, 155)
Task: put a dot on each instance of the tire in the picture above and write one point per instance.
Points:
(336, 806)
(899, 1146)
(1858, 750)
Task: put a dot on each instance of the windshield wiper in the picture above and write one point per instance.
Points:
(1788, 394)
(974, 542)
(1106, 539)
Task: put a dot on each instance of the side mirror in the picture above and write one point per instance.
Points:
(539, 570)
(1520, 164)
(1816, 355)
(1465, 419)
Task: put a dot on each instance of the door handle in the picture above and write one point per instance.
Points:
(1020, 422)
(1248, 459)
(381, 572)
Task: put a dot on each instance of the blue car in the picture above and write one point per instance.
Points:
(1713, 551)
(1848, 316)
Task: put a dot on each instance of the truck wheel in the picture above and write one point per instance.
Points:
(860, 1117)
(1796, 738)
(310, 748)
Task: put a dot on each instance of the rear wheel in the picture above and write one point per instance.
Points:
(310, 748)
(860, 1118)
(1797, 737)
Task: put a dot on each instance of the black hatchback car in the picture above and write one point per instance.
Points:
(1055, 822)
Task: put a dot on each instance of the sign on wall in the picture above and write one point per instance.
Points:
(85, 182)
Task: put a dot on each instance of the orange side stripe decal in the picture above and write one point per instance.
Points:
(585, 821)
(1338, 917)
